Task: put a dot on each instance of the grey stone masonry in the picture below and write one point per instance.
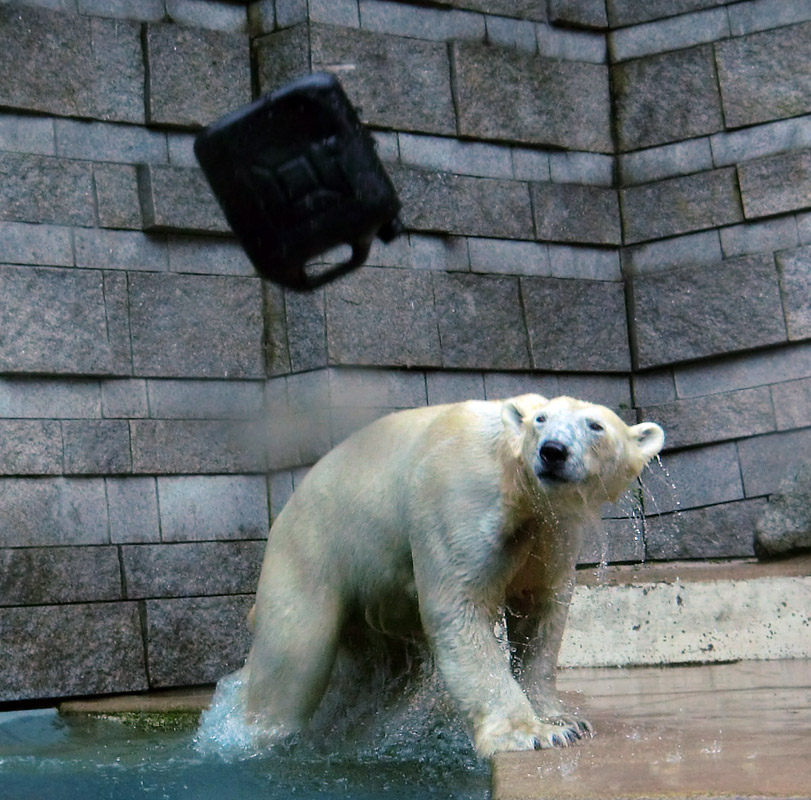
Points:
(776, 184)
(24, 243)
(684, 83)
(767, 460)
(71, 65)
(57, 321)
(197, 639)
(558, 103)
(720, 531)
(795, 284)
(201, 326)
(30, 447)
(680, 205)
(282, 56)
(195, 76)
(567, 318)
(78, 649)
(572, 213)
(117, 200)
(480, 322)
(766, 75)
(96, 447)
(132, 509)
(521, 9)
(416, 95)
(631, 12)
(178, 199)
(792, 404)
(579, 13)
(697, 312)
(714, 418)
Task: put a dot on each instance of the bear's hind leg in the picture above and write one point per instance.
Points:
(293, 653)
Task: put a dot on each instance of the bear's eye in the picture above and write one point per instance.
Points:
(595, 426)
(540, 419)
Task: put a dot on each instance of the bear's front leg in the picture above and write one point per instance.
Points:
(477, 673)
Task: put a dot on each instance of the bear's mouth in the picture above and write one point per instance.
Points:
(551, 476)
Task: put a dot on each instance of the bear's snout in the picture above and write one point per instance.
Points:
(554, 453)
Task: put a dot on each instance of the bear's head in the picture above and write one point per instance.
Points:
(572, 445)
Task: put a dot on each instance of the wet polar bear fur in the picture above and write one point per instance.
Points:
(447, 517)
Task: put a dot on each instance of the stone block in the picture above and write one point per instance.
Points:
(281, 490)
(760, 237)
(693, 478)
(22, 133)
(775, 185)
(666, 161)
(104, 141)
(306, 332)
(46, 189)
(48, 398)
(290, 12)
(335, 12)
(196, 326)
(680, 205)
(714, 418)
(608, 390)
(181, 149)
(195, 640)
(531, 165)
(571, 45)
(189, 446)
(459, 204)
(743, 371)
(453, 155)
(132, 507)
(590, 169)
(653, 388)
(506, 32)
(721, 531)
(578, 13)
(442, 253)
(609, 541)
(566, 317)
(382, 317)
(795, 279)
(767, 460)
(765, 76)
(587, 263)
(57, 321)
(45, 575)
(675, 33)
(784, 527)
(498, 385)
(77, 649)
(178, 199)
(480, 322)
(363, 388)
(112, 249)
(96, 447)
(216, 16)
(70, 65)
(792, 404)
(683, 82)
(416, 95)
(454, 387)
(282, 56)
(199, 568)
(199, 507)
(757, 15)
(125, 398)
(804, 227)
(117, 202)
(195, 76)
(146, 10)
(52, 511)
(692, 249)
(697, 312)
(23, 243)
(523, 9)
(169, 399)
(208, 256)
(572, 213)
(30, 447)
(416, 22)
(631, 12)
(558, 103)
(772, 138)
(509, 257)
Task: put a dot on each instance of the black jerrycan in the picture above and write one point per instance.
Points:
(297, 174)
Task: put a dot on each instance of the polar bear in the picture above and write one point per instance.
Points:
(444, 520)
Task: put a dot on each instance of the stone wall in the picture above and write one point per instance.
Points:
(606, 199)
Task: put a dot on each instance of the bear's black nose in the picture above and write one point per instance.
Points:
(553, 452)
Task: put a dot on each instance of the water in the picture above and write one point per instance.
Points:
(412, 751)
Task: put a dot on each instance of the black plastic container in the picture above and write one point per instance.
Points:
(297, 174)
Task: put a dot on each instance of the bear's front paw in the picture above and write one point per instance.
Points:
(506, 735)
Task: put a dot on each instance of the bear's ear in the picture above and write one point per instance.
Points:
(649, 438)
(513, 413)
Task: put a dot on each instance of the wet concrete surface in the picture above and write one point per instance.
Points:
(724, 730)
